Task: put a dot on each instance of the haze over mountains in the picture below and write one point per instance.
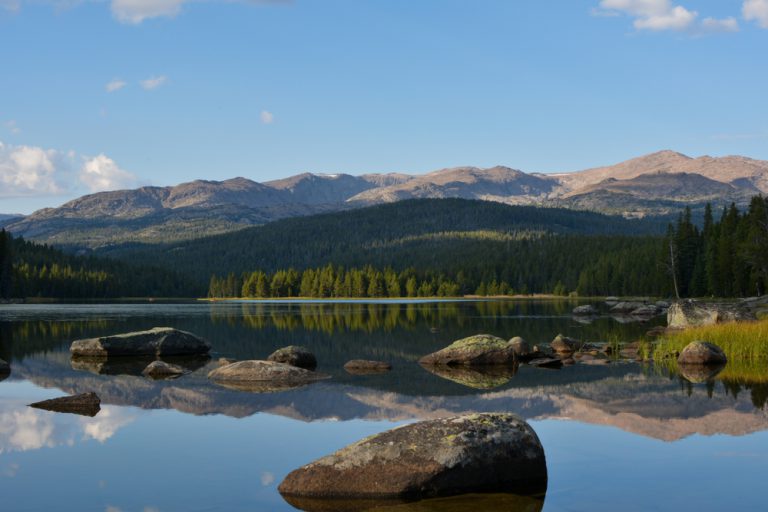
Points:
(657, 184)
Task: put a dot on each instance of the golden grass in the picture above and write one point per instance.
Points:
(741, 341)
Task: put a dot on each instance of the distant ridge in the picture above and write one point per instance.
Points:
(658, 184)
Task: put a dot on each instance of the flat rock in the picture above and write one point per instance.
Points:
(163, 370)
(160, 341)
(263, 376)
(86, 404)
(365, 367)
(490, 452)
(546, 362)
(478, 350)
(690, 313)
(294, 356)
(702, 353)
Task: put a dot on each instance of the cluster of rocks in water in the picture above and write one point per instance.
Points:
(623, 310)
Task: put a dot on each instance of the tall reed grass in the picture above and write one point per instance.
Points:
(741, 341)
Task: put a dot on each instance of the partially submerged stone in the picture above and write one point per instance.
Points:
(86, 404)
(365, 367)
(294, 356)
(585, 310)
(482, 349)
(702, 353)
(690, 313)
(476, 377)
(490, 452)
(520, 346)
(564, 345)
(159, 341)
(163, 370)
(263, 376)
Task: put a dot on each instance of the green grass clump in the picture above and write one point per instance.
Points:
(741, 341)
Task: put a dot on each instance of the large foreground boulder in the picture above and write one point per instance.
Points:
(491, 452)
(294, 356)
(160, 341)
(263, 376)
(701, 352)
(690, 313)
(481, 349)
(86, 404)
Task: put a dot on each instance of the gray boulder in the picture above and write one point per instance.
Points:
(585, 310)
(690, 313)
(702, 352)
(163, 370)
(294, 356)
(490, 452)
(86, 404)
(478, 350)
(263, 376)
(160, 341)
(520, 346)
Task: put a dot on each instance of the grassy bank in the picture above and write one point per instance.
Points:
(741, 341)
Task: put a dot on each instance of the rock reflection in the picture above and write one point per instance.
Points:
(481, 377)
(700, 373)
(479, 502)
(261, 386)
(132, 365)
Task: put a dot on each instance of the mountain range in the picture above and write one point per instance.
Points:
(659, 184)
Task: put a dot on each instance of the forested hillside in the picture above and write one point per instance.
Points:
(33, 270)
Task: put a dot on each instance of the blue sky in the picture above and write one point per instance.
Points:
(105, 94)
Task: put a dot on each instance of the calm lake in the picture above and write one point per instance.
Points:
(622, 436)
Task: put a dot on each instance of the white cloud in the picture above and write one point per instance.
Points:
(153, 82)
(267, 117)
(757, 11)
(136, 11)
(115, 85)
(13, 127)
(10, 5)
(28, 171)
(101, 173)
(720, 25)
(664, 15)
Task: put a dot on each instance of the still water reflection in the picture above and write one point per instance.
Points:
(636, 437)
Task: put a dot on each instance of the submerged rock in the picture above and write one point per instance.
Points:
(162, 370)
(586, 310)
(546, 362)
(263, 376)
(86, 404)
(294, 356)
(160, 341)
(702, 352)
(690, 313)
(462, 503)
(481, 349)
(476, 377)
(364, 367)
(490, 452)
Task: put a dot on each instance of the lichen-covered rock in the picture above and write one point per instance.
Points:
(585, 310)
(365, 367)
(564, 345)
(294, 356)
(159, 341)
(690, 313)
(263, 376)
(478, 350)
(702, 352)
(86, 404)
(489, 452)
(163, 370)
(520, 346)
(476, 377)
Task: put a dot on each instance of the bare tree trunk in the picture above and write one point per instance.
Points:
(674, 272)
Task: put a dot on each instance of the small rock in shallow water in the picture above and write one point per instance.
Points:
(482, 349)
(294, 356)
(86, 404)
(490, 452)
(263, 376)
(364, 367)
